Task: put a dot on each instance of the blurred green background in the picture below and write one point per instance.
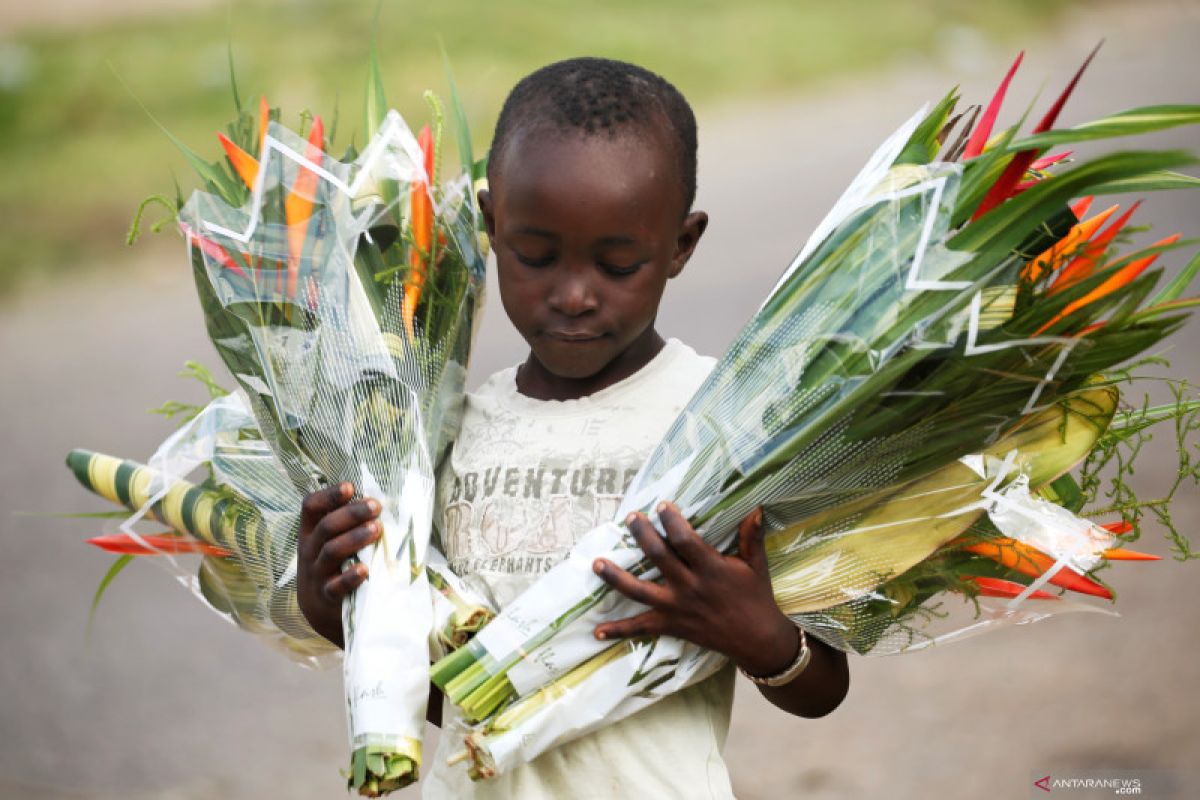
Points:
(79, 153)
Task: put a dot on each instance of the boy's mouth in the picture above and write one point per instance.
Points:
(573, 336)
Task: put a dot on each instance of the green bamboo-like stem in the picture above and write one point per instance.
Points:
(477, 742)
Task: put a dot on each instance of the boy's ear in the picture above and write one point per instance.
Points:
(489, 212)
(693, 227)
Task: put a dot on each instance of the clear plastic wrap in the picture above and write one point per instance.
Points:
(343, 298)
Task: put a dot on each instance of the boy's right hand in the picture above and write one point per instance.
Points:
(332, 529)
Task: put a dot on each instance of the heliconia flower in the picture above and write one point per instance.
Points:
(1049, 161)
(1123, 277)
(998, 587)
(1002, 189)
(1121, 554)
(983, 130)
(1119, 528)
(421, 212)
(213, 250)
(297, 206)
(244, 164)
(1028, 560)
(1055, 256)
(1084, 264)
(1081, 206)
(153, 544)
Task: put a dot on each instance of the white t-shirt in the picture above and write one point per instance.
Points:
(525, 479)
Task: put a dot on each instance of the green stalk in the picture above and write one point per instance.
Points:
(511, 718)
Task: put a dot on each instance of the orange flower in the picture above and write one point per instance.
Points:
(1118, 280)
(1083, 264)
(244, 164)
(1030, 561)
(1053, 257)
(421, 211)
(297, 206)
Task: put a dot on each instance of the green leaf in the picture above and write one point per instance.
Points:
(1129, 423)
(197, 371)
(331, 129)
(1154, 312)
(462, 130)
(923, 144)
(358, 768)
(221, 183)
(479, 171)
(1126, 123)
(1006, 225)
(375, 107)
(1067, 493)
(237, 98)
(1155, 181)
(113, 571)
(1179, 283)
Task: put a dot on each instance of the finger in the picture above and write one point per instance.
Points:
(342, 585)
(656, 548)
(334, 552)
(319, 503)
(634, 588)
(683, 537)
(345, 519)
(649, 623)
(750, 542)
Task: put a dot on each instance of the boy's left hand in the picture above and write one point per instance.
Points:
(722, 603)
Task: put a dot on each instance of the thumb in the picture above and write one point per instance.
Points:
(750, 541)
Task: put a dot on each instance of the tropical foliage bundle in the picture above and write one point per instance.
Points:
(907, 407)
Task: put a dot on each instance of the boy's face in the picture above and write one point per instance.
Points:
(587, 231)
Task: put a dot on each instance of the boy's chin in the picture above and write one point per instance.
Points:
(575, 361)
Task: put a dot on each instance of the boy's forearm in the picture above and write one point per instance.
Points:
(819, 689)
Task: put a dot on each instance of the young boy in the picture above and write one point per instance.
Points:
(591, 181)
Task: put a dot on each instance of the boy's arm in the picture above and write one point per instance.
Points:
(724, 603)
(816, 691)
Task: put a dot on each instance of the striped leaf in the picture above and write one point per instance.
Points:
(1126, 123)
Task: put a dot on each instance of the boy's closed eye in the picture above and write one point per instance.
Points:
(540, 260)
(618, 266)
(619, 269)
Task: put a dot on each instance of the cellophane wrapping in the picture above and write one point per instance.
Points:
(348, 325)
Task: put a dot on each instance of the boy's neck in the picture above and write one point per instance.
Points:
(536, 382)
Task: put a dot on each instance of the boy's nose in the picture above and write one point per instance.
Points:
(572, 296)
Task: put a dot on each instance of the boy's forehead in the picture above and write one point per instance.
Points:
(631, 154)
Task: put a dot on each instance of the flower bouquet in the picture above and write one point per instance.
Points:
(906, 406)
(342, 295)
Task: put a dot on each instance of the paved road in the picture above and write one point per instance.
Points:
(167, 702)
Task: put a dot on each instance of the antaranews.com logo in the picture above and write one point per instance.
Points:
(1121, 786)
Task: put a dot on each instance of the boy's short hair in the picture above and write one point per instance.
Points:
(601, 96)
